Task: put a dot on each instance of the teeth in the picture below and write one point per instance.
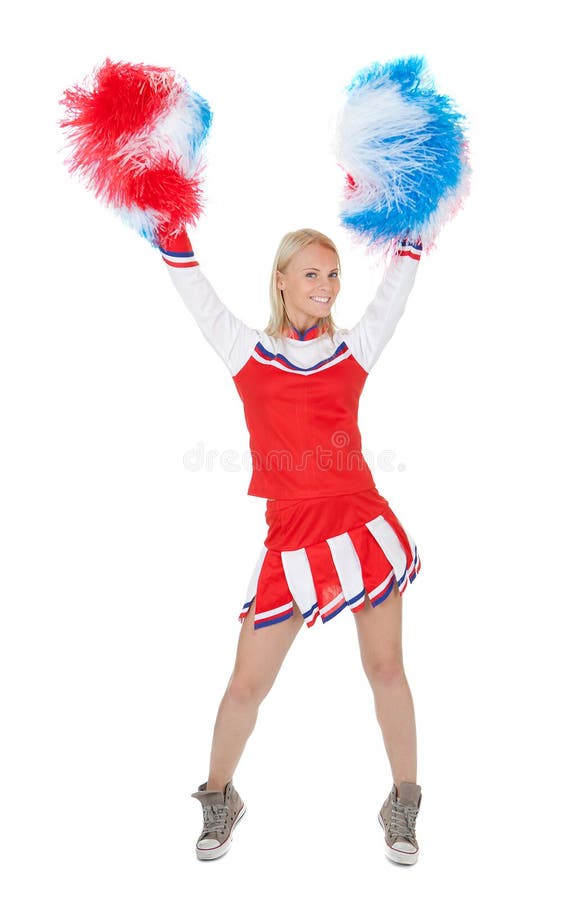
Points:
(321, 299)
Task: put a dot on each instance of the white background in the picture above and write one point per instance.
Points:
(124, 569)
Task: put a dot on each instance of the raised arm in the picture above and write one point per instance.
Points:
(230, 337)
(367, 339)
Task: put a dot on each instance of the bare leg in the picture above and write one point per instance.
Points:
(380, 642)
(260, 654)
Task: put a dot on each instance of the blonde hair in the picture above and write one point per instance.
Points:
(290, 244)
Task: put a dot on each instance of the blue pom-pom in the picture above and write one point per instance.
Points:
(403, 148)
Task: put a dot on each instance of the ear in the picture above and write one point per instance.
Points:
(280, 280)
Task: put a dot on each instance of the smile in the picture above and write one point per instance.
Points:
(321, 299)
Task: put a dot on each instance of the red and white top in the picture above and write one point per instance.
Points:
(300, 391)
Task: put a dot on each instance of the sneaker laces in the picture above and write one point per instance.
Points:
(402, 821)
(215, 816)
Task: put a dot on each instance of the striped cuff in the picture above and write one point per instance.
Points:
(410, 248)
(177, 251)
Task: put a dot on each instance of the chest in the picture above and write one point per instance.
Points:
(330, 388)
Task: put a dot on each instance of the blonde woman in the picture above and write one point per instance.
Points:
(333, 542)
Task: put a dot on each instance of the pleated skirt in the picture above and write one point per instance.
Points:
(326, 554)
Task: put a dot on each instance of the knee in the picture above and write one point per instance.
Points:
(245, 690)
(385, 672)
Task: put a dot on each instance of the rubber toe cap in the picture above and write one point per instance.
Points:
(208, 844)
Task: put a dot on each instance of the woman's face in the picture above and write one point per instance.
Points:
(310, 284)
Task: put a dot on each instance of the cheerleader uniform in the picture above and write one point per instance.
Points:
(333, 541)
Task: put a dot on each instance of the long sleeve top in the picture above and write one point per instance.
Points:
(300, 391)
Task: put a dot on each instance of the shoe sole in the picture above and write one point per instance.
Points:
(216, 852)
(398, 856)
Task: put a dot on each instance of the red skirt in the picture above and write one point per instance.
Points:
(326, 554)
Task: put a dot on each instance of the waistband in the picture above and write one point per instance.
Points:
(293, 524)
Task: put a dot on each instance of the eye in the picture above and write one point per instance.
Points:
(336, 274)
(310, 274)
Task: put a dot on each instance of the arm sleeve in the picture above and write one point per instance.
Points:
(230, 337)
(367, 339)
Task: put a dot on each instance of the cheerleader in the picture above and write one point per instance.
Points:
(333, 542)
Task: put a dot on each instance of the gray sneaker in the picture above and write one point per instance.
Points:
(222, 810)
(398, 817)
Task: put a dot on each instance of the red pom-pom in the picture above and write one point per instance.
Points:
(135, 134)
(124, 100)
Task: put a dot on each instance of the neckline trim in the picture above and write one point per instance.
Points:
(294, 334)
